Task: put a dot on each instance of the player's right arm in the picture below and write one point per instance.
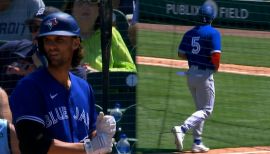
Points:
(215, 59)
(216, 53)
(33, 139)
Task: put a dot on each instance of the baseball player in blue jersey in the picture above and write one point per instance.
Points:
(53, 110)
(201, 47)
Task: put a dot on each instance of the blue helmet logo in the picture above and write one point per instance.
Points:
(50, 23)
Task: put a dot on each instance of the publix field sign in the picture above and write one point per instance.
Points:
(234, 14)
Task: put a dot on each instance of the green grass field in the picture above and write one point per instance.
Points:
(240, 116)
(235, 50)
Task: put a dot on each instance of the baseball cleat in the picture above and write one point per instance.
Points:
(199, 148)
(179, 137)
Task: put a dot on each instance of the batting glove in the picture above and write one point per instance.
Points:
(100, 144)
(105, 124)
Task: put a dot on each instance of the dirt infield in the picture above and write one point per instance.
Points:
(229, 68)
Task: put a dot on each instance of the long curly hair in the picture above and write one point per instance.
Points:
(77, 56)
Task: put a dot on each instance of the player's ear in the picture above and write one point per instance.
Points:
(76, 43)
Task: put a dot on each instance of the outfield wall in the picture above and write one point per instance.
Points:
(231, 13)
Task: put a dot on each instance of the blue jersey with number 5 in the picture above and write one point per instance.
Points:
(199, 43)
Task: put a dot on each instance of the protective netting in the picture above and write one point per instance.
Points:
(163, 99)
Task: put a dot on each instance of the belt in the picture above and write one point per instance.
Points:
(196, 67)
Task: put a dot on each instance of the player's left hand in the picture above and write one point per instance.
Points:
(106, 124)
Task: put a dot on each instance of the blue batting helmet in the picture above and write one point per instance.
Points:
(207, 13)
(59, 23)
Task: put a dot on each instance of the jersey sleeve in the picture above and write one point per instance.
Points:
(216, 42)
(25, 102)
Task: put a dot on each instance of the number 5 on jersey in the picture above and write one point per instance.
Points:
(196, 47)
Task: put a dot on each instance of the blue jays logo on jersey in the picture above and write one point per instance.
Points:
(61, 113)
(51, 23)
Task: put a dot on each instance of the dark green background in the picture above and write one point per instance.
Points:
(153, 11)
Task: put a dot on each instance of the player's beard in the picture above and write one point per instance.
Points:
(56, 61)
